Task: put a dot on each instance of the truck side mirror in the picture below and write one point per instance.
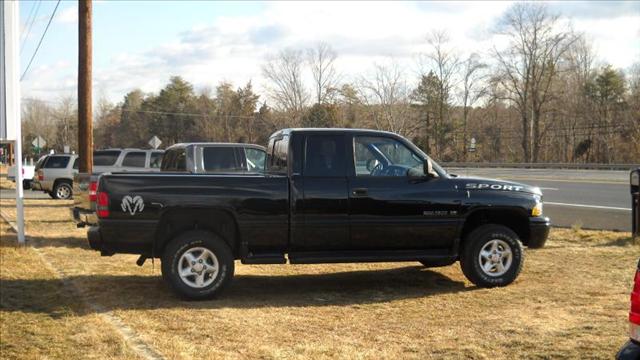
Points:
(428, 168)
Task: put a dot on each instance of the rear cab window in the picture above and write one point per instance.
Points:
(324, 156)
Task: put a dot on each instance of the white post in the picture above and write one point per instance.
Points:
(12, 64)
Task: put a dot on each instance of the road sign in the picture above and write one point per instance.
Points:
(155, 142)
(39, 142)
(472, 145)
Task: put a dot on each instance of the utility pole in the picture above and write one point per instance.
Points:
(85, 114)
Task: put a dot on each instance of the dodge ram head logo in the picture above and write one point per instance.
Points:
(132, 205)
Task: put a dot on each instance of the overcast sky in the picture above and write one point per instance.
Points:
(142, 44)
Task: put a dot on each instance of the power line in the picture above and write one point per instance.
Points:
(188, 114)
(40, 42)
(31, 20)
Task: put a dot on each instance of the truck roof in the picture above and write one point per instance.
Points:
(288, 131)
(217, 144)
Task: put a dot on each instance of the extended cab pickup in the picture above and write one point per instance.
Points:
(327, 196)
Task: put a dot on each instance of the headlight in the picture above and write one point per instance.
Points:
(537, 210)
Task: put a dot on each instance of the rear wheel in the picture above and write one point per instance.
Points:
(197, 265)
(62, 191)
(492, 255)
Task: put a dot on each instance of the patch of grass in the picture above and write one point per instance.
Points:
(577, 226)
(40, 318)
(571, 301)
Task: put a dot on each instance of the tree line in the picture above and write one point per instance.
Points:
(541, 98)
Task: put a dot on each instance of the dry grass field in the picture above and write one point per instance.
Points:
(571, 301)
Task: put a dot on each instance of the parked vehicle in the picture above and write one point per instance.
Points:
(193, 158)
(55, 173)
(28, 172)
(327, 195)
(631, 350)
(200, 158)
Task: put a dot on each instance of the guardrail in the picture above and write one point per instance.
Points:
(571, 166)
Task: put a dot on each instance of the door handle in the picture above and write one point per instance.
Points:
(359, 192)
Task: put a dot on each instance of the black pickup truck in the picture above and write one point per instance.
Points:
(327, 196)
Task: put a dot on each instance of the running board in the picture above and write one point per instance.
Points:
(320, 257)
(264, 258)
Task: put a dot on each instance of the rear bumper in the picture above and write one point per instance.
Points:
(538, 231)
(95, 239)
(630, 351)
(124, 237)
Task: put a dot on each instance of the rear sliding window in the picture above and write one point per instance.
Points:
(105, 158)
(57, 162)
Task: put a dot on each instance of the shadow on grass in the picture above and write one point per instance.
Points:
(621, 241)
(127, 292)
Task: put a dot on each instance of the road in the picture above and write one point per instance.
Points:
(592, 199)
(28, 194)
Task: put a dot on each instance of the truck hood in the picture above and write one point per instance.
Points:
(484, 184)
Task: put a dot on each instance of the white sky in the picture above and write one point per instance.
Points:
(140, 45)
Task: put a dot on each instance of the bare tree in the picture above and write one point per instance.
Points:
(473, 89)
(287, 90)
(325, 76)
(443, 61)
(387, 98)
(529, 65)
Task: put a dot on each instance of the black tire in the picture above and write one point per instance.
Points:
(171, 261)
(62, 191)
(50, 194)
(470, 256)
(437, 263)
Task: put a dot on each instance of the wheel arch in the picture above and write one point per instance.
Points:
(515, 219)
(175, 221)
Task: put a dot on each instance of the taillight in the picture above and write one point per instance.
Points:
(40, 175)
(93, 188)
(634, 313)
(102, 204)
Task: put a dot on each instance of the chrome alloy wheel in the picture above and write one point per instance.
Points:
(198, 267)
(63, 192)
(495, 257)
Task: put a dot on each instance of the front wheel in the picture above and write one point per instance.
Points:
(197, 265)
(492, 256)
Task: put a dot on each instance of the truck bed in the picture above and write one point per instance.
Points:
(258, 203)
